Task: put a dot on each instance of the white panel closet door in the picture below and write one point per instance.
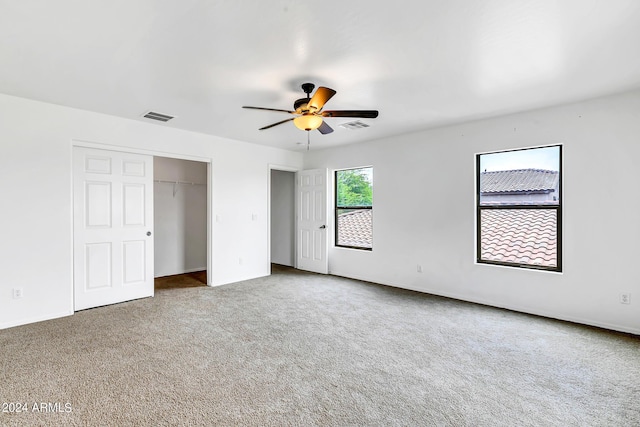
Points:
(312, 221)
(112, 227)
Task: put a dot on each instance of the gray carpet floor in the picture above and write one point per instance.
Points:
(300, 349)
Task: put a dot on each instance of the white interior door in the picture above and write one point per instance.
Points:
(112, 226)
(312, 221)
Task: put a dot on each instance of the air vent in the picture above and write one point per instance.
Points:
(157, 116)
(354, 125)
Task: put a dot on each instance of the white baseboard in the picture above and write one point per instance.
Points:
(21, 322)
(588, 322)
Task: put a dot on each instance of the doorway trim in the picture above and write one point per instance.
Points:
(181, 156)
(276, 167)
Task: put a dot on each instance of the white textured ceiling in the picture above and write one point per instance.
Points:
(420, 63)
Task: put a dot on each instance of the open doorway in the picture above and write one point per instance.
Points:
(180, 222)
(283, 222)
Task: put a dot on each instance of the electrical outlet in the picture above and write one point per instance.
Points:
(17, 293)
(625, 298)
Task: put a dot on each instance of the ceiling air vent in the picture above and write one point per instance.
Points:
(157, 116)
(354, 125)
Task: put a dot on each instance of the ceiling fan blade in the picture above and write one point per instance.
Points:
(276, 124)
(322, 95)
(365, 114)
(270, 109)
(325, 128)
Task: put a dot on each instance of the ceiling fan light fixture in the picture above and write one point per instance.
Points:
(308, 122)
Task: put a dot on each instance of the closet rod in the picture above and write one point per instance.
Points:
(177, 182)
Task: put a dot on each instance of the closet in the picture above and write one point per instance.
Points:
(180, 216)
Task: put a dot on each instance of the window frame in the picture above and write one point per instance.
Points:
(557, 207)
(337, 208)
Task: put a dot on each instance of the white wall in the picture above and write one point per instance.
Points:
(424, 212)
(180, 216)
(282, 217)
(423, 207)
(36, 215)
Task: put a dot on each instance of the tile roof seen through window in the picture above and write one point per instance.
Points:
(354, 228)
(521, 236)
(518, 181)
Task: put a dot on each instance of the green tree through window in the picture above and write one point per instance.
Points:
(354, 208)
(354, 188)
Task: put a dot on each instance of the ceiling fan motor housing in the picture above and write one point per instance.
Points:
(300, 103)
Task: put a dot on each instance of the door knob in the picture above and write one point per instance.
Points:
(322, 227)
(148, 233)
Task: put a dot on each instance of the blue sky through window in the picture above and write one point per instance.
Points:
(535, 158)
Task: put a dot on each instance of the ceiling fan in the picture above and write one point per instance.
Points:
(309, 113)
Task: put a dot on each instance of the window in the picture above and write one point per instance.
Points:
(354, 208)
(519, 208)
